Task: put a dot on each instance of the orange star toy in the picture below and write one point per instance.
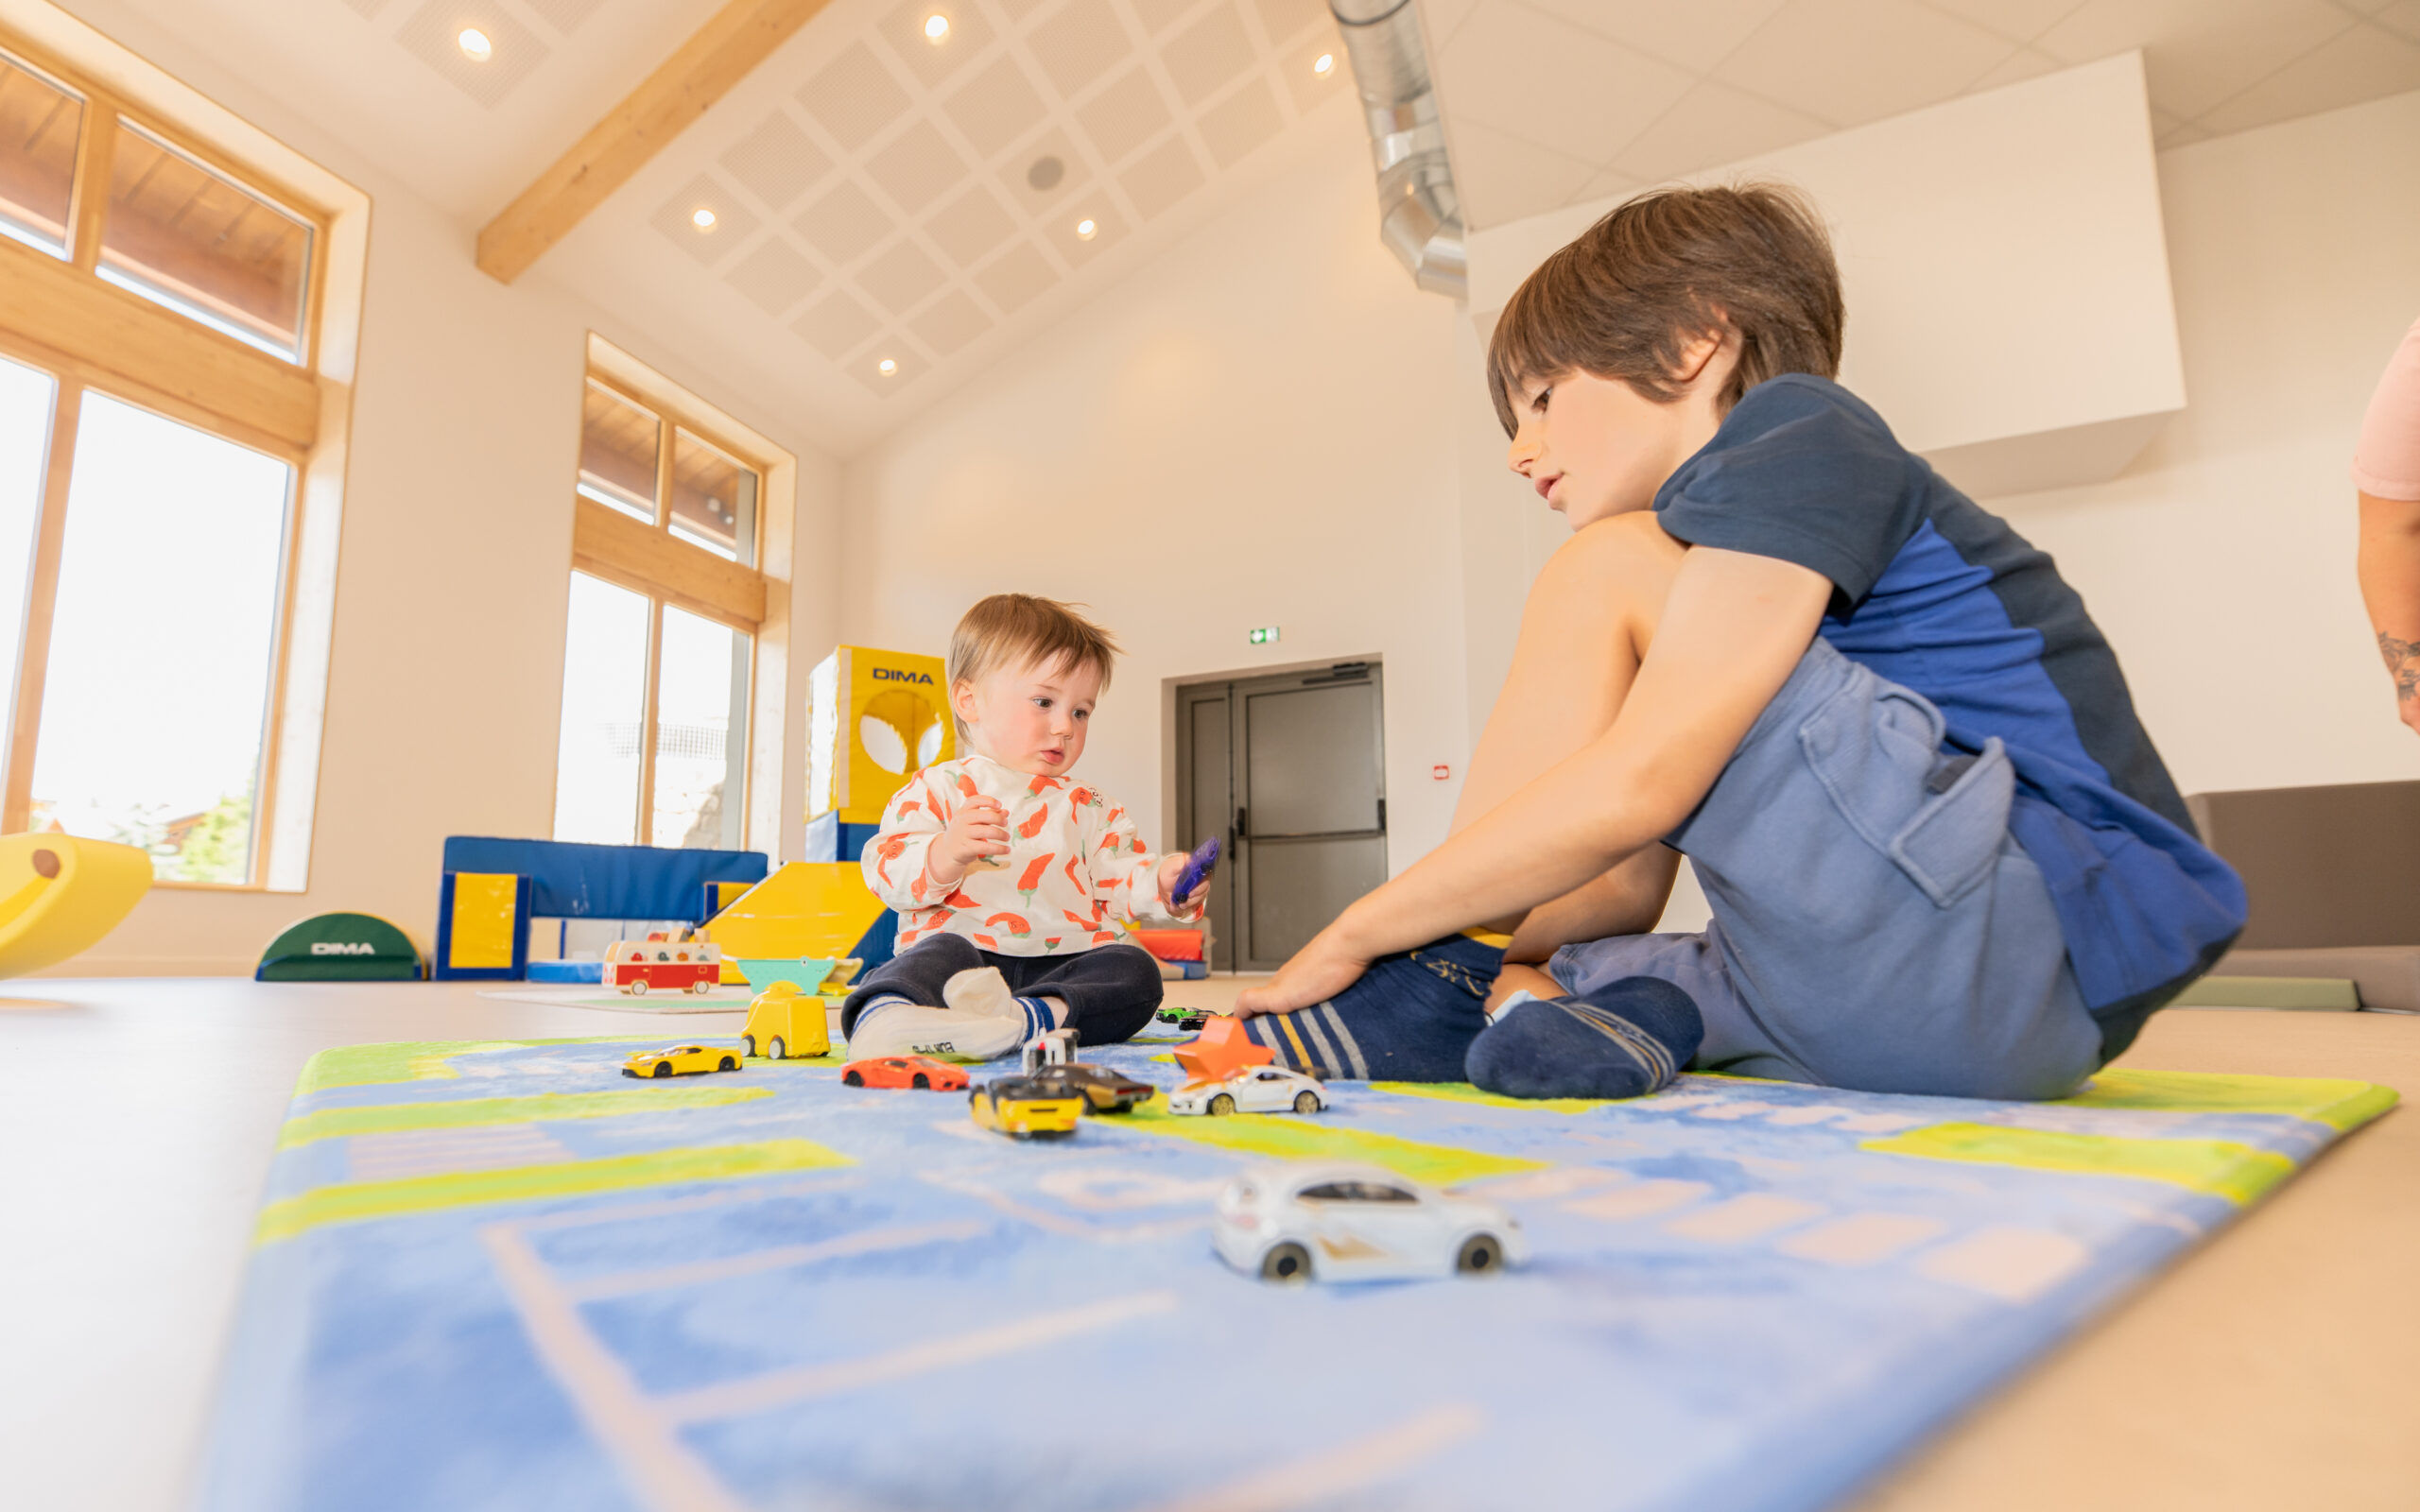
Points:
(1220, 1050)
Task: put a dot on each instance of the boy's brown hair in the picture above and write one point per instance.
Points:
(1663, 269)
(1018, 629)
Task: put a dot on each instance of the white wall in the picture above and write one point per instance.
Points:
(446, 689)
(1253, 429)
(2220, 565)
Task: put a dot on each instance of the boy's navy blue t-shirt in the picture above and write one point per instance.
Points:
(1937, 594)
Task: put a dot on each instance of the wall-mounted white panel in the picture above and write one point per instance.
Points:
(2005, 268)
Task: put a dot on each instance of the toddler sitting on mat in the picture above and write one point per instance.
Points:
(1010, 878)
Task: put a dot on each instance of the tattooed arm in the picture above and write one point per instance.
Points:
(2389, 571)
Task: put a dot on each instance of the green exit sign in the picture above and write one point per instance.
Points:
(1265, 635)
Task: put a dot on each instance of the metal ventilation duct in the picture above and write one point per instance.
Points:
(1420, 216)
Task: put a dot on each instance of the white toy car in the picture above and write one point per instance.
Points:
(1253, 1090)
(1342, 1222)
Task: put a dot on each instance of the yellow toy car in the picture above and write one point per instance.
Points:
(679, 1060)
(784, 1023)
(1021, 1106)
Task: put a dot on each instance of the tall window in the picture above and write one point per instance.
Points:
(666, 604)
(156, 411)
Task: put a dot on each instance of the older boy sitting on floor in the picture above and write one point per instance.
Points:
(1942, 854)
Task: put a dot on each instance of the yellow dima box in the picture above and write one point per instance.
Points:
(872, 717)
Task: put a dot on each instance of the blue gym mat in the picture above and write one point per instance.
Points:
(503, 1275)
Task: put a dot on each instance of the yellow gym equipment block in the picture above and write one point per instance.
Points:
(820, 909)
(486, 906)
(873, 718)
(59, 894)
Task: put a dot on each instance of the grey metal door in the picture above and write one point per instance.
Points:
(1292, 768)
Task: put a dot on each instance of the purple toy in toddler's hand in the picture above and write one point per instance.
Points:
(1197, 869)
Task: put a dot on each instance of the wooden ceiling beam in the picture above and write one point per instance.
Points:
(725, 50)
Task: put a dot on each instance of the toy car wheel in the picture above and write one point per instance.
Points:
(700, 988)
(853, 1078)
(1306, 1102)
(1288, 1263)
(728, 1064)
(637, 988)
(1223, 1105)
(776, 1050)
(662, 1068)
(1481, 1256)
(924, 1083)
(747, 1045)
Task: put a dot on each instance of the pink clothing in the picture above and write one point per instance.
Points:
(2386, 463)
(1075, 870)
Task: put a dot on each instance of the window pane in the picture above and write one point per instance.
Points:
(597, 760)
(701, 735)
(156, 697)
(714, 499)
(39, 123)
(204, 244)
(618, 446)
(26, 398)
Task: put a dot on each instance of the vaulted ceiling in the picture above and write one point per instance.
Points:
(878, 204)
(880, 196)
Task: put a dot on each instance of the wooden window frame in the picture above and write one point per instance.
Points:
(649, 560)
(60, 317)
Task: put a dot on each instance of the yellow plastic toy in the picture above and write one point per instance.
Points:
(59, 894)
(805, 910)
(786, 1025)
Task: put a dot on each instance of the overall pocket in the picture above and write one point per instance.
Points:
(1938, 816)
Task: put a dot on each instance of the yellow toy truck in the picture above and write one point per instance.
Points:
(785, 1024)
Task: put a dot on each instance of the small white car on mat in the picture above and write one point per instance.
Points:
(1253, 1090)
(1329, 1221)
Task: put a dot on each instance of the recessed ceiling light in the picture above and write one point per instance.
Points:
(1323, 64)
(703, 219)
(475, 44)
(936, 29)
(885, 366)
(1046, 172)
(1086, 228)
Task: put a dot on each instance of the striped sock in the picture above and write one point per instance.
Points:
(1039, 1018)
(1410, 1017)
(1624, 1039)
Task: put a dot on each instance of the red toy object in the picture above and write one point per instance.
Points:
(905, 1071)
(1171, 944)
(663, 962)
(1220, 1050)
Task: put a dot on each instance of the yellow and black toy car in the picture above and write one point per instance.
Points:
(1023, 1108)
(680, 1060)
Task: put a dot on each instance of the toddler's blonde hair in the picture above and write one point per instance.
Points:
(1018, 629)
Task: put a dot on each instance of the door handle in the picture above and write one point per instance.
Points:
(1241, 834)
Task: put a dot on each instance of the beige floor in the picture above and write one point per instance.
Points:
(2271, 1369)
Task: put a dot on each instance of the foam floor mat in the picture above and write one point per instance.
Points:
(502, 1276)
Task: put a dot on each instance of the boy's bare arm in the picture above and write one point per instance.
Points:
(2390, 572)
(1733, 630)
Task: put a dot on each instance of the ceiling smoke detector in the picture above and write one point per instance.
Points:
(475, 44)
(1046, 173)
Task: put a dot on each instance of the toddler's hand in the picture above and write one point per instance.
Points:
(1172, 868)
(977, 831)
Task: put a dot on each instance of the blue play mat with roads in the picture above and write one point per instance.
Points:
(502, 1276)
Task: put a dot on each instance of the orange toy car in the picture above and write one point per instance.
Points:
(905, 1071)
